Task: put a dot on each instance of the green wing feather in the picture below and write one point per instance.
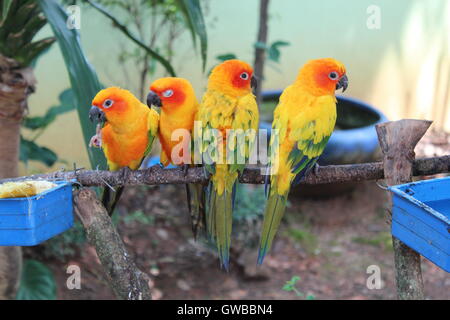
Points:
(301, 159)
(220, 111)
(153, 124)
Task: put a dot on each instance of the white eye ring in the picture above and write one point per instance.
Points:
(333, 75)
(168, 93)
(244, 76)
(108, 103)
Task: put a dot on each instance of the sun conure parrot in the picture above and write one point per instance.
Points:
(129, 129)
(228, 104)
(304, 118)
(179, 107)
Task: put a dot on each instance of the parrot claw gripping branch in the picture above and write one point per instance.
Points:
(304, 118)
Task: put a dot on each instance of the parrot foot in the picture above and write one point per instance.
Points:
(185, 169)
(125, 172)
(206, 174)
(316, 169)
(158, 166)
(96, 141)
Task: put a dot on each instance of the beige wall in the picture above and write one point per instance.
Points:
(413, 79)
(402, 68)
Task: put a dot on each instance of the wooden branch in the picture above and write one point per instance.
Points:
(398, 140)
(156, 175)
(127, 281)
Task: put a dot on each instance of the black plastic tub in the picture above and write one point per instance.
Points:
(353, 141)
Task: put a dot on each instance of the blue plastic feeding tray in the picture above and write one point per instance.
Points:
(31, 221)
(421, 218)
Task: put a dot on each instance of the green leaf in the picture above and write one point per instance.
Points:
(83, 78)
(31, 51)
(260, 45)
(287, 287)
(192, 11)
(226, 56)
(37, 282)
(190, 24)
(26, 11)
(67, 104)
(166, 64)
(22, 22)
(274, 50)
(29, 150)
(6, 4)
(32, 27)
(34, 123)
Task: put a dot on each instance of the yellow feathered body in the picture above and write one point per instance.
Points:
(228, 104)
(177, 112)
(303, 122)
(179, 107)
(225, 113)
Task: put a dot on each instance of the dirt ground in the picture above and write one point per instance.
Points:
(327, 243)
(335, 241)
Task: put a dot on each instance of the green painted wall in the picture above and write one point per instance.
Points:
(328, 28)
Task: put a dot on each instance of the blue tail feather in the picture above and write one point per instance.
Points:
(267, 182)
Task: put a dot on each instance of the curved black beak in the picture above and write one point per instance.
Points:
(153, 100)
(342, 84)
(254, 83)
(95, 114)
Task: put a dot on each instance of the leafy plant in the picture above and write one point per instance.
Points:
(37, 282)
(273, 51)
(225, 57)
(123, 28)
(41, 122)
(29, 150)
(158, 25)
(83, 79)
(20, 21)
(194, 17)
(290, 286)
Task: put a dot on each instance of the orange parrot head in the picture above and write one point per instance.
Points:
(170, 93)
(113, 105)
(232, 77)
(323, 76)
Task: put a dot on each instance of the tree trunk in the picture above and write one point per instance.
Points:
(398, 141)
(16, 84)
(260, 52)
(126, 280)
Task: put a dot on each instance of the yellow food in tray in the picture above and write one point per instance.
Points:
(24, 189)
